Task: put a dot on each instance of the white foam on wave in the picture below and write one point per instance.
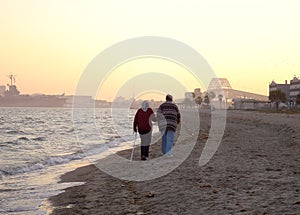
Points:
(93, 150)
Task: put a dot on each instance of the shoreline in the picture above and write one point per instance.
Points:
(255, 171)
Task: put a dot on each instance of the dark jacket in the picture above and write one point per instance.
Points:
(142, 121)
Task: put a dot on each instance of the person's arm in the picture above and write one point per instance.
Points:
(135, 122)
(159, 114)
(152, 116)
(159, 118)
(178, 116)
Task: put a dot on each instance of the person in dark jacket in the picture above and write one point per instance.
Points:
(168, 117)
(143, 124)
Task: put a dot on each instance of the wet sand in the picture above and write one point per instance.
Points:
(256, 170)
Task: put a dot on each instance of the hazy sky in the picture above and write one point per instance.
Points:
(47, 44)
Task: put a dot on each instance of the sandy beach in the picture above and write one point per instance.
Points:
(256, 170)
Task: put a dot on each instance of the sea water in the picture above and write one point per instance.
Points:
(37, 145)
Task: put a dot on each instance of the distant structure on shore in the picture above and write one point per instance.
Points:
(12, 97)
(221, 95)
(221, 86)
(291, 90)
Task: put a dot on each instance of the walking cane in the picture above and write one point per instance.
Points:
(133, 147)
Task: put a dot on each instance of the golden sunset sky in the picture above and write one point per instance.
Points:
(47, 44)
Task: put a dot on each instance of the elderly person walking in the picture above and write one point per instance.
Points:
(143, 124)
(168, 117)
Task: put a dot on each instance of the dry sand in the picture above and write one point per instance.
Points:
(256, 170)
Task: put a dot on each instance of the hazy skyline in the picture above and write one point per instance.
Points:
(48, 44)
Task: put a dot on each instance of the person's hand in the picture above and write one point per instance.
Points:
(134, 134)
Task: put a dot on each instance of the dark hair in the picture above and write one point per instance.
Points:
(169, 98)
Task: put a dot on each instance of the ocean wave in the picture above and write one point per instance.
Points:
(56, 160)
(40, 122)
(23, 138)
(6, 190)
(39, 138)
(9, 143)
(71, 130)
(46, 162)
(21, 169)
(15, 132)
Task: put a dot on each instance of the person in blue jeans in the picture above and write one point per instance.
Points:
(168, 117)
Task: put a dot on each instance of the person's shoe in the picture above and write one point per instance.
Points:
(169, 155)
(143, 158)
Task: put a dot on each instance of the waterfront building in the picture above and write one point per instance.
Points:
(189, 96)
(285, 88)
(294, 88)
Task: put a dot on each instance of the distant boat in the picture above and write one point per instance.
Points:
(13, 98)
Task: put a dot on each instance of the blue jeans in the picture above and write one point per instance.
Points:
(167, 141)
